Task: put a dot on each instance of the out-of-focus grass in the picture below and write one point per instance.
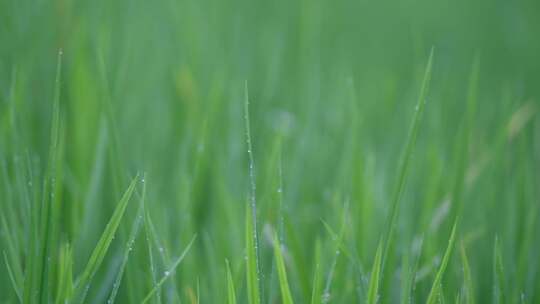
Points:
(158, 89)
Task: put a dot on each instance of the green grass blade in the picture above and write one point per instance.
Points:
(168, 272)
(12, 279)
(129, 247)
(286, 296)
(434, 293)
(498, 274)
(252, 242)
(231, 295)
(150, 237)
(405, 161)
(65, 275)
(83, 284)
(252, 275)
(49, 187)
(317, 286)
(373, 289)
(12, 260)
(469, 291)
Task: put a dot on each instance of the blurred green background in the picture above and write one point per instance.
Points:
(157, 87)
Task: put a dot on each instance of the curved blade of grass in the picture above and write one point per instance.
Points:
(433, 294)
(498, 274)
(407, 155)
(12, 278)
(231, 295)
(469, 291)
(131, 241)
(103, 244)
(168, 272)
(373, 289)
(286, 297)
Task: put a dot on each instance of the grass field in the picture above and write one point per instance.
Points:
(309, 151)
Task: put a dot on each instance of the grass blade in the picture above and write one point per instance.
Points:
(49, 188)
(469, 291)
(407, 155)
(251, 269)
(286, 297)
(12, 279)
(434, 293)
(65, 275)
(498, 274)
(149, 235)
(131, 241)
(252, 242)
(103, 244)
(231, 295)
(373, 289)
(168, 272)
(317, 286)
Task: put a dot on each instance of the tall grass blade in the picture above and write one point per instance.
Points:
(131, 241)
(231, 294)
(469, 291)
(405, 161)
(251, 267)
(373, 289)
(252, 242)
(83, 283)
(317, 281)
(36, 277)
(65, 275)
(150, 237)
(286, 296)
(436, 287)
(12, 279)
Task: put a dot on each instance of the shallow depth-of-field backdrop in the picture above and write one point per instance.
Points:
(136, 138)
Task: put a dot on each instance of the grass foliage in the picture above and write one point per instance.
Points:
(269, 152)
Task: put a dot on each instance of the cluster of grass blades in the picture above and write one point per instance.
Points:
(33, 285)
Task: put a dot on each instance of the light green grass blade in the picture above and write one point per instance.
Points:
(373, 289)
(251, 268)
(286, 296)
(498, 274)
(468, 282)
(49, 187)
(231, 294)
(65, 275)
(317, 282)
(12, 260)
(98, 255)
(405, 161)
(167, 273)
(433, 294)
(252, 242)
(12, 279)
(129, 247)
(150, 237)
